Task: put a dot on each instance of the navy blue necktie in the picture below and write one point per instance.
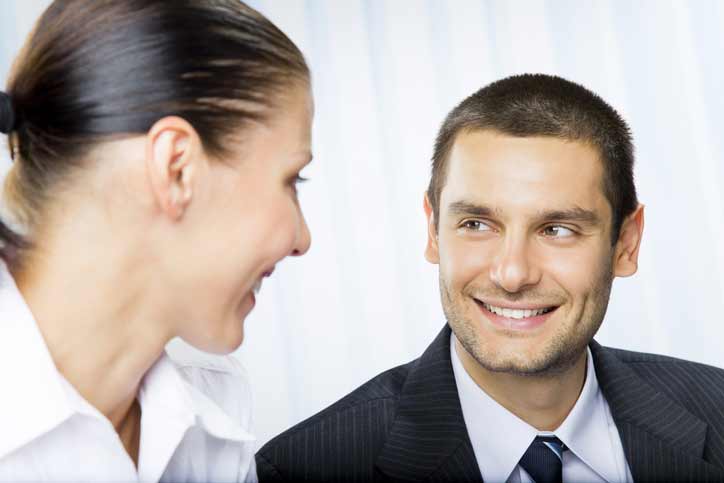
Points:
(544, 459)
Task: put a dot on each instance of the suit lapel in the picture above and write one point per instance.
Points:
(428, 439)
(662, 441)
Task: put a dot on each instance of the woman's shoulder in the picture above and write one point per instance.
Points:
(222, 379)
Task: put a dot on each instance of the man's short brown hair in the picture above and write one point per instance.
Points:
(543, 105)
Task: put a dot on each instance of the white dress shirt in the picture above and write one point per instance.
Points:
(194, 421)
(594, 450)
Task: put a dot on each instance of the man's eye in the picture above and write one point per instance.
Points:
(475, 225)
(557, 231)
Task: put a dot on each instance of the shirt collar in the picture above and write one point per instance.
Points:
(165, 390)
(37, 398)
(583, 431)
(499, 437)
(34, 400)
(170, 406)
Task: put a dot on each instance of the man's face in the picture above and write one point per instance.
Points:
(524, 248)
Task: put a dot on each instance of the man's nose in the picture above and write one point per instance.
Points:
(514, 267)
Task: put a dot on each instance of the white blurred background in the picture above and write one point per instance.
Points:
(385, 74)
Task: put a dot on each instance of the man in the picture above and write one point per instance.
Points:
(532, 212)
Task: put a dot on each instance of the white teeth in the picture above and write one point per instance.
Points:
(515, 313)
(257, 286)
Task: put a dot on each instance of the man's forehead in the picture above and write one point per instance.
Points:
(493, 149)
(540, 174)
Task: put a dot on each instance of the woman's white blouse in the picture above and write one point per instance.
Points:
(194, 423)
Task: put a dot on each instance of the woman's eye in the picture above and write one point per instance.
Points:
(475, 225)
(557, 231)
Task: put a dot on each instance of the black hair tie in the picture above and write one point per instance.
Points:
(7, 114)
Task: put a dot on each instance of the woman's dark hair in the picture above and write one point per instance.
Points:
(94, 70)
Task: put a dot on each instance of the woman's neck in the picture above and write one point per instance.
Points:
(92, 285)
(89, 306)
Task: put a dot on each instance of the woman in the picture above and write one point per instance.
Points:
(157, 146)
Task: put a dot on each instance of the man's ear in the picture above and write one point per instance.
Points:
(173, 150)
(626, 254)
(432, 253)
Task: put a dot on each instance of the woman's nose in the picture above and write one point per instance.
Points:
(304, 239)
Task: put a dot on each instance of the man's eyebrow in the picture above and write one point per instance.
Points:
(576, 214)
(468, 208)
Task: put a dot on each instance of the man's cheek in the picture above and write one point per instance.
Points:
(463, 266)
(571, 270)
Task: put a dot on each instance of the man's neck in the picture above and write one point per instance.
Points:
(542, 401)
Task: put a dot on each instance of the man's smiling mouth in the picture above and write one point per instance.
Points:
(517, 313)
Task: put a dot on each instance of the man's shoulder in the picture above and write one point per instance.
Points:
(696, 386)
(379, 392)
(353, 426)
(638, 360)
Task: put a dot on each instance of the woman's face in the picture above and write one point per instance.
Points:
(244, 218)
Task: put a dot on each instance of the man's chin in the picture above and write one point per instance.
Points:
(526, 356)
(524, 368)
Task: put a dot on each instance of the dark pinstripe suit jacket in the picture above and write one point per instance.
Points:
(407, 425)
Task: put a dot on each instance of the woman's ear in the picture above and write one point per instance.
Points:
(173, 155)
(626, 255)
